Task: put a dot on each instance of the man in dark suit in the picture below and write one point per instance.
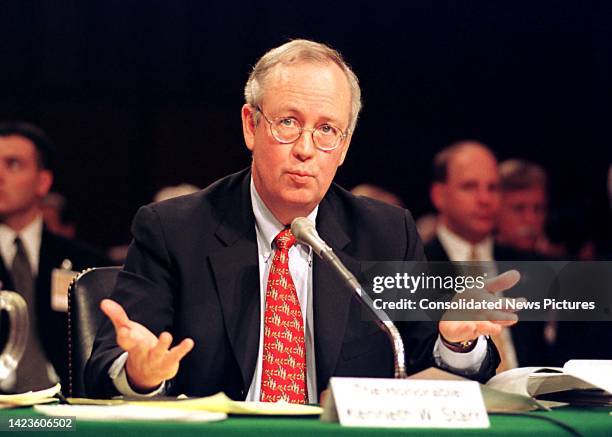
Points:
(29, 253)
(466, 193)
(206, 266)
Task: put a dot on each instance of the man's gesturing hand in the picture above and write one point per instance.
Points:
(461, 325)
(150, 359)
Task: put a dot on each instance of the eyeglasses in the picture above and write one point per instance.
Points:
(287, 130)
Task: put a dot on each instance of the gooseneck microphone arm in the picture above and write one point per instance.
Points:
(305, 232)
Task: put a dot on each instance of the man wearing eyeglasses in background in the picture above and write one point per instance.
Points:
(220, 270)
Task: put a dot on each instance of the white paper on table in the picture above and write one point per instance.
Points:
(596, 372)
(128, 412)
(517, 380)
(31, 397)
(575, 375)
(216, 403)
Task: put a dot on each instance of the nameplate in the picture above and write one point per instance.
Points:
(404, 403)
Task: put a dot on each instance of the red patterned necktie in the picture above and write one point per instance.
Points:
(284, 352)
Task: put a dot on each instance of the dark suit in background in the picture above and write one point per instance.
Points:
(528, 336)
(193, 270)
(52, 325)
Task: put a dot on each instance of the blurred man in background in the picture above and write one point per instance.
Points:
(466, 193)
(31, 256)
(524, 208)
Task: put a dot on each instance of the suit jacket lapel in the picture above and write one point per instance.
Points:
(46, 263)
(435, 251)
(331, 297)
(236, 271)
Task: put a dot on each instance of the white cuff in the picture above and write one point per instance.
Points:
(119, 376)
(464, 362)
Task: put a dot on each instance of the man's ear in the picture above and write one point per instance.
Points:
(248, 125)
(437, 192)
(45, 180)
(345, 146)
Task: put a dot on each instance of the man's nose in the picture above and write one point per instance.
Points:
(304, 147)
(485, 195)
(530, 215)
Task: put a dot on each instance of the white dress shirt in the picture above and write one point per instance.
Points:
(459, 249)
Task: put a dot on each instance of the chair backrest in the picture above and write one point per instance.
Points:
(84, 318)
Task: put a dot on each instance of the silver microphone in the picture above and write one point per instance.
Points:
(306, 233)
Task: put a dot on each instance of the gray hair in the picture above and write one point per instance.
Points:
(518, 174)
(293, 52)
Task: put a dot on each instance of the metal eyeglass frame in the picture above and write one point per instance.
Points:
(339, 139)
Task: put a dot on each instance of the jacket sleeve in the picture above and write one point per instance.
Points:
(145, 289)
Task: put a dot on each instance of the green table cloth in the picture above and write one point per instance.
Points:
(571, 421)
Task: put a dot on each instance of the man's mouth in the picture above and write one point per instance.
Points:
(300, 177)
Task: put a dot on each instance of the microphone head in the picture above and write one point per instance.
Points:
(305, 232)
(301, 226)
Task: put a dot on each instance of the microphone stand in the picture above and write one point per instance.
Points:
(304, 230)
(382, 319)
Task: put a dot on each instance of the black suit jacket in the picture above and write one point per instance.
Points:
(53, 325)
(193, 270)
(528, 336)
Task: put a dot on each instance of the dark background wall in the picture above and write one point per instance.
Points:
(142, 94)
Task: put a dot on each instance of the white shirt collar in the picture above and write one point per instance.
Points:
(267, 225)
(459, 249)
(31, 237)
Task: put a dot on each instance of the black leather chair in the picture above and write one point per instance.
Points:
(84, 317)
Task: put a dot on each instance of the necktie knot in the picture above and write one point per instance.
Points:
(285, 239)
